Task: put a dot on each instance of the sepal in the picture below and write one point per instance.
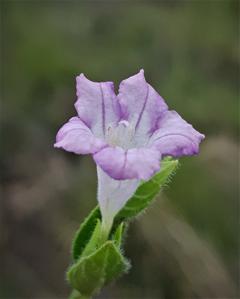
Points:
(117, 236)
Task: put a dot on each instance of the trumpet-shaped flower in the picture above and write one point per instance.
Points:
(127, 134)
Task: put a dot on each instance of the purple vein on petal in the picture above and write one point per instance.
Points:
(155, 127)
(143, 108)
(103, 109)
(174, 134)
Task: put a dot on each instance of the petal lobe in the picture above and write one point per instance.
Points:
(76, 137)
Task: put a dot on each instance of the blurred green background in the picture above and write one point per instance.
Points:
(186, 245)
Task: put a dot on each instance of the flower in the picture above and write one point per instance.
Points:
(127, 134)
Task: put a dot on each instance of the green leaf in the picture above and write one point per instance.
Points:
(84, 233)
(147, 191)
(92, 244)
(90, 273)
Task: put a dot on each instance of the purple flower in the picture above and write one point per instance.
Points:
(127, 134)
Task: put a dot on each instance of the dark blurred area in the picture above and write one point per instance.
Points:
(186, 245)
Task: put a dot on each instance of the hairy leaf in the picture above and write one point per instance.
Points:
(147, 191)
(91, 272)
(84, 233)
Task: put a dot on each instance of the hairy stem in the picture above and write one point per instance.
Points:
(76, 295)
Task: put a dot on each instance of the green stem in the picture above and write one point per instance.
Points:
(76, 295)
(84, 297)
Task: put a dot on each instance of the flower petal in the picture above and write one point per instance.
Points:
(97, 104)
(141, 105)
(175, 137)
(135, 163)
(76, 137)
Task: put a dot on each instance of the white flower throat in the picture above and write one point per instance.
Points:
(122, 135)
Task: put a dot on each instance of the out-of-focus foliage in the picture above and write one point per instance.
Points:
(189, 50)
